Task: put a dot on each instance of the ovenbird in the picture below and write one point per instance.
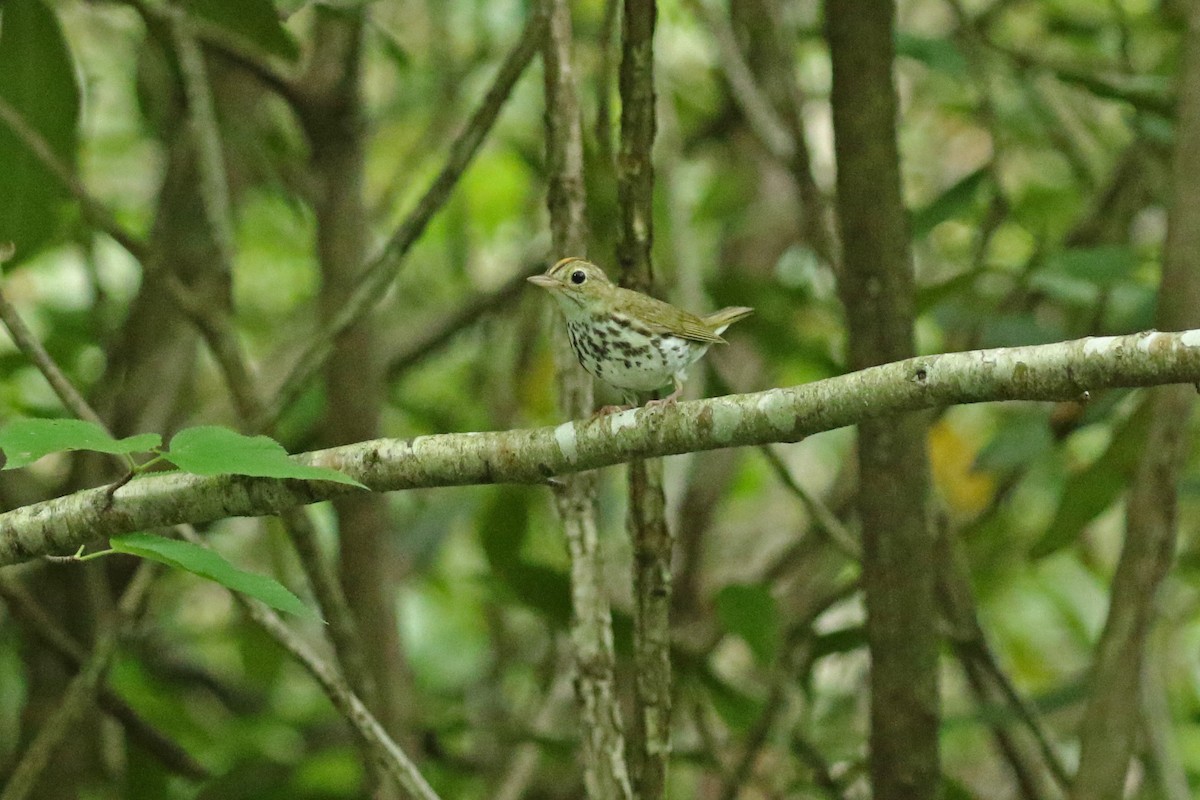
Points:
(627, 339)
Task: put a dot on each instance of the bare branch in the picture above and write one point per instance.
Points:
(28, 344)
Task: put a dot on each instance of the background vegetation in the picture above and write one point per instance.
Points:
(243, 162)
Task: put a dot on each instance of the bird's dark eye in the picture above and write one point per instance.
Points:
(578, 277)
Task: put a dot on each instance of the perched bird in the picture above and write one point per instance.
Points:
(627, 339)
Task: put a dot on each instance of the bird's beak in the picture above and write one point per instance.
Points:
(544, 281)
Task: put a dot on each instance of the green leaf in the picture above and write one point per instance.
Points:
(24, 441)
(1021, 438)
(1098, 265)
(954, 202)
(1092, 490)
(750, 611)
(253, 20)
(938, 54)
(843, 640)
(209, 564)
(736, 708)
(503, 528)
(37, 78)
(213, 450)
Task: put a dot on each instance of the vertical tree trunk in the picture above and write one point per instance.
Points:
(1113, 716)
(605, 773)
(650, 746)
(876, 287)
(354, 375)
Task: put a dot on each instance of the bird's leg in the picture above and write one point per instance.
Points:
(631, 401)
(670, 399)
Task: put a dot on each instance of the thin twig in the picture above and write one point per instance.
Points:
(765, 123)
(822, 774)
(755, 739)
(217, 330)
(81, 691)
(378, 274)
(206, 138)
(826, 522)
(1108, 733)
(159, 19)
(416, 346)
(394, 760)
(47, 629)
(28, 344)
(956, 601)
(522, 764)
(1158, 727)
(93, 211)
(385, 750)
(604, 76)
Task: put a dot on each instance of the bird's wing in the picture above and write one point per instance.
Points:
(662, 317)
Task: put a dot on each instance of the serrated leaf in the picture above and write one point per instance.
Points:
(37, 78)
(1092, 490)
(26, 440)
(750, 611)
(209, 564)
(213, 450)
(253, 20)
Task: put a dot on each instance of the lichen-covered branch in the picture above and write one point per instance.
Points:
(1064, 370)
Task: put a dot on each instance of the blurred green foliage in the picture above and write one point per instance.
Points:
(1035, 139)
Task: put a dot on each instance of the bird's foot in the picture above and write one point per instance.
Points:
(604, 411)
(669, 400)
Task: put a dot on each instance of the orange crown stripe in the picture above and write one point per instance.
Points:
(566, 260)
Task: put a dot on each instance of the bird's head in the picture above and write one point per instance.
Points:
(577, 285)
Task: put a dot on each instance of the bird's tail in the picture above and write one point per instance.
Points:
(720, 320)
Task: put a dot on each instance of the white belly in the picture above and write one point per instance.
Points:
(635, 360)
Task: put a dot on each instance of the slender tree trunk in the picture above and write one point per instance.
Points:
(1113, 716)
(876, 287)
(605, 774)
(354, 374)
(650, 747)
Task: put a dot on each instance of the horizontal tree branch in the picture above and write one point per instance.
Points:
(1064, 370)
